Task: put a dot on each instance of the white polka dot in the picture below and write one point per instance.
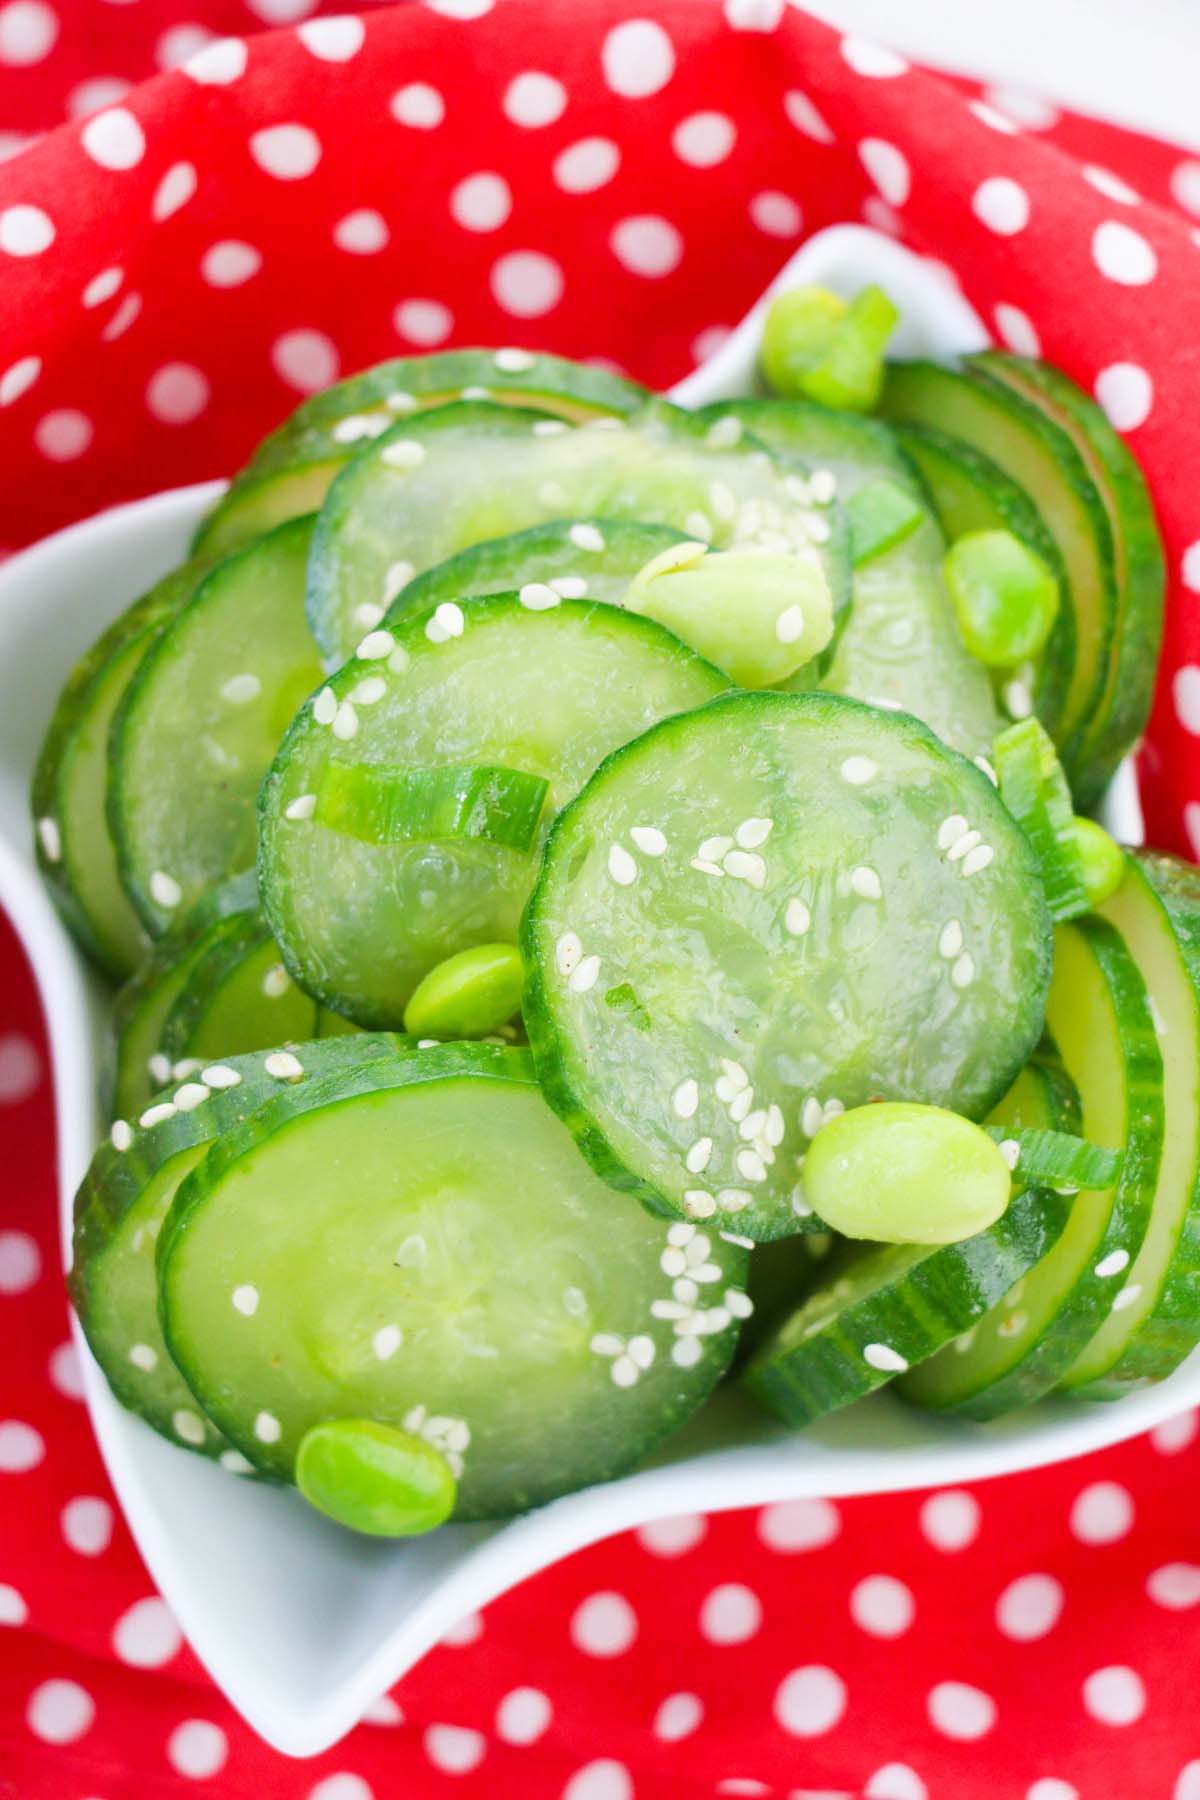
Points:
(950, 1520)
(114, 139)
(146, 1636)
(20, 1262)
(15, 381)
(342, 1786)
(229, 263)
(179, 42)
(465, 10)
(895, 1781)
(63, 435)
(1185, 688)
(704, 140)
(603, 1780)
(878, 214)
(454, 1748)
(25, 231)
(647, 245)
(197, 1749)
(418, 105)
(638, 58)
(87, 1525)
(468, 1630)
(1185, 185)
(1001, 204)
(1103, 1512)
(1114, 1696)
(534, 99)
(959, 1711)
(1123, 255)
(673, 1537)
(1189, 570)
(1187, 1786)
(1110, 185)
(1017, 329)
(362, 233)
(810, 1701)
(888, 168)
(731, 1614)
(677, 1717)
(1175, 1586)
(1191, 823)
(1018, 104)
(523, 1715)
(804, 116)
(173, 191)
(95, 94)
(526, 283)
(12, 143)
(423, 322)
(792, 1525)
(177, 393)
(867, 58)
(481, 202)
(13, 1610)
(282, 12)
(1050, 1788)
(1029, 1607)
(777, 214)
(59, 1712)
(882, 1606)
(604, 1625)
(384, 1711)
(289, 152)
(28, 31)
(587, 165)
(102, 287)
(217, 63)
(66, 1371)
(122, 318)
(995, 121)
(335, 39)
(1126, 393)
(753, 15)
(306, 360)
(706, 343)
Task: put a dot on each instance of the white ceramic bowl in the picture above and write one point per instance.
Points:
(303, 1625)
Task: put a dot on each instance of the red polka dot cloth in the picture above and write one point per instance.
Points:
(180, 263)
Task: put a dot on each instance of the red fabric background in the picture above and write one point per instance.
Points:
(129, 362)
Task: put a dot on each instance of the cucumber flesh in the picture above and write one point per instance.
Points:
(526, 1325)
(801, 933)
(548, 693)
(238, 997)
(200, 722)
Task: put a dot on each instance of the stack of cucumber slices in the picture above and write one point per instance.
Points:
(602, 896)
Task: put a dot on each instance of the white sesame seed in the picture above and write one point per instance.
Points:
(686, 1099)
(1127, 1296)
(120, 1134)
(607, 1343)
(752, 1124)
(157, 1114)
(245, 1299)
(981, 762)
(400, 402)
(724, 433)
(734, 1199)
(775, 1127)
(822, 485)
(963, 844)
(50, 838)
(680, 1233)
(405, 453)
(359, 425)
(686, 1352)
(648, 839)
(235, 1463)
(747, 866)
(428, 1043)
(368, 692)
(641, 1348)
(672, 1262)
(345, 722)
(188, 1425)
(239, 690)
(723, 500)
(185, 1068)
(386, 1341)
(950, 939)
(866, 883)
(1018, 701)
(950, 830)
(797, 919)
(458, 1435)
(699, 1156)
(276, 982)
(191, 1095)
(699, 525)
(977, 859)
(812, 1117)
(514, 362)
(706, 868)
(750, 1165)
(414, 1418)
(882, 1356)
(621, 866)
(586, 537)
(302, 807)
(743, 1243)
(447, 622)
(545, 428)
(281, 1065)
(698, 1205)
(1112, 1264)
(740, 1105)
(624, 1372)
(411, 1253)
(267, 1428)
(796, 488)
(1010, 1150)
(1012, 1325)
(832, 1107)
(567, 952)
(538, 596)
(698, 1246)
(143, 1356)
(737, 1302)
(375, 645)
(962, 974)
(584, 976)
(164, 889)
(800, 1205)
(789, 626)
(398, 576)
(752, 833)
(735, 1072)
(858, 770)
(324, 707)
(475, 393)
(569, 587)
(220, 1075)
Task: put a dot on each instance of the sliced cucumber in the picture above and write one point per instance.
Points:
(900, 647)
(238, 997)
(1137, 549)
(1042, 458)
(447, 479)
(1155, 1319)
(74, 849)
(1100, 1018)
(813, 904)
(291, 470)
(972, 493)
(200, 722)
(882, 1309)
(120, 1208)
(486, 684)
(471, 1281)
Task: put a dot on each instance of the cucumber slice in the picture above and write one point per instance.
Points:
(237, 997)
(971, 493)
(900, 648)
(120, 1208)
(1157, 1320)
(1137, 549)
(200, 722)
(536, 1328)
(782, 1274)
(1035, 452)
(291, 470)
(1035, 791)
(547, 694)
(74, 849)
(883, 1309)
(813, 903)
(1100, 1017)
(444, 480)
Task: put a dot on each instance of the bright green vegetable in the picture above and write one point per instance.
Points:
(1005, 597)
(758, 614)
(468, 995)
(1056, 1158)
(1034, 789)
(904, 1174)
(818, 346)
(382, 805)
(881, 515)
(1102, 860)
(375, 1479)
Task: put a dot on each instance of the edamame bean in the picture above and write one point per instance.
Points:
(905, 1174)
(1005, 597)
(1103, 860)
(758, 614)
(819, 347)
(375, 1479)
(469, 995)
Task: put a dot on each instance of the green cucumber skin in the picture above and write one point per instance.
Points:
(1142, 580)
(939, 1297)
(971, 493)
(238, 939)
